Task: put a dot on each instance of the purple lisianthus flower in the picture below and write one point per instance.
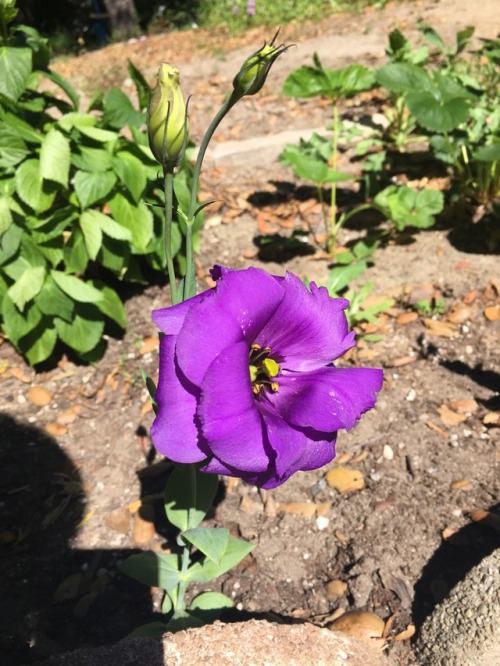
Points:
(246, 383)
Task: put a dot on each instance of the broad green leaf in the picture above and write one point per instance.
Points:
(92, 233)
(107, 225)
(119, 110)
(65, 86)
(76, 119)
(54, 157)
(28, 286)
(22, 129)
(77, 289)
(12, 147)
(92, 159)
(153, 569)
(98, 134)
(15, 69)
(114, 255)
(110, 304)
(85, 330)
(489, 153)
(39, 344)
(437, 115)
(131, 172)
(315, 169)
(210, 601)
(403, 78)
(93, 186)
(53, 302)
(341, 277)
(16, 325)
(188, 496)
(9, 243)
(149, 630)
(37, 193)
(5, 214)
(141, 85)
(203, 572)
(137, 218)
(76, 257)
(211, 541)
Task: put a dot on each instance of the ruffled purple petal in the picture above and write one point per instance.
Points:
(236, 310)
(308, 329)
(170, 320)
(230, 422)
(174, 431)
(327, 399)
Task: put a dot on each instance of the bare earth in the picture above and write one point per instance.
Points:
(82, 490)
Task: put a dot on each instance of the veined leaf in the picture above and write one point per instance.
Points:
(54, 157)
(77, 289)
(15, 70)
(28, 286)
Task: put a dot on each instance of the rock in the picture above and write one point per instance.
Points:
(464, 630)
(252, 643)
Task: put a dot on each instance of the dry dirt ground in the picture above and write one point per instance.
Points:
(80, 488)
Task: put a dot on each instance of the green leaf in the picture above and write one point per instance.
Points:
(114, 255)
(107, 225)
(137, 218)
(341, 277)
(403, 78)
(119, 110)
(437, 115)
(188, 496)
(149, 630)
(5, 215)
(92, 159)
(92, 233)
(54, 157)
(489, 153)
(236, 550)
(76, 119)
(97, 134)
(110, 303)
(32, 188)
(28, 286)
(53, 302)
(92, 187)
(131, 172)
(141, 85)
(153, 569)
(10, 241)
(65, 86)
(319, 81)
(15, 69)
(211, 541)
(12, 147)
(17, 325)
(76, 256)
(85, 330)
(77, 289)
(39, 344)
(210, 601)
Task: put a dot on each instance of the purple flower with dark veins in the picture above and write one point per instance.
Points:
(247, 385)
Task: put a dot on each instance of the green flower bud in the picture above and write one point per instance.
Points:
(255, 69)
(167, 117)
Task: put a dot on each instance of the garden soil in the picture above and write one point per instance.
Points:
(411, 501)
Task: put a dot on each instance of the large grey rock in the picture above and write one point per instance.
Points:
(464, 630)
(252, 643)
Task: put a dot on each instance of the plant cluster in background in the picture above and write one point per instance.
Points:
(437, 99)
(80, 208)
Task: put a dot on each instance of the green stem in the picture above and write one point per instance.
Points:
(168, 183)
(332, 241)
(180, 604)
(189, 282)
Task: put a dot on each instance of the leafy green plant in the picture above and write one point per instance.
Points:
(77, 208)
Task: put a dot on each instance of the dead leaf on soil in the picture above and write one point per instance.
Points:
(20, 374)
(436, 428)
(449, 417)
(464, 406)
(56, 429)
(403, 360)
(442, 328)
(461, 484)
(487, 518)
(341, 536)
(470, 297)
(39, 396)
(492, 418)
(149, 344)
(405, 634)
(492, 313)
(406, 318)
(69, 415)
(364, 625)
(144, 531)
(336, 589)
(307, 509)
(345, 480)
(460, 314)
(146, 408)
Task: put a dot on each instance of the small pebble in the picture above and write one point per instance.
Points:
(388, 453)
(412, 394)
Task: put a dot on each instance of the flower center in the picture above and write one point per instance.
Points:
(263, 369)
